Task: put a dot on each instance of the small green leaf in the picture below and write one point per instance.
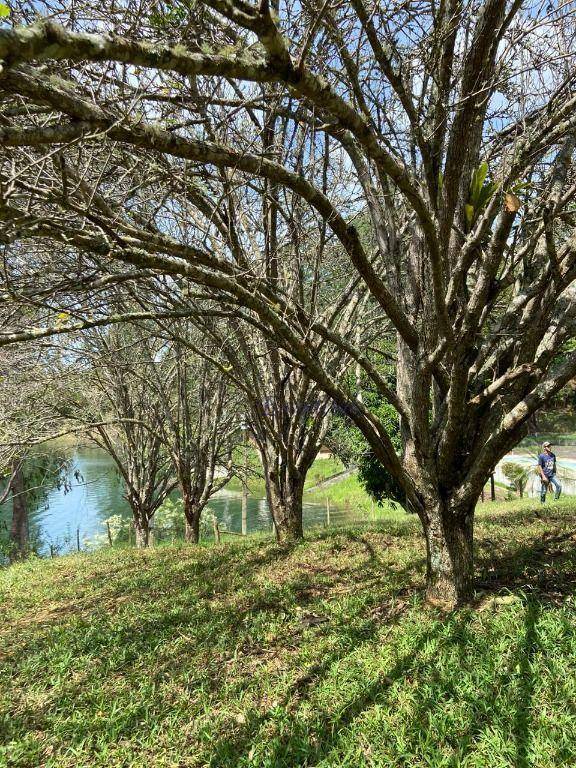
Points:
(478, 179)
(469, 213)
(486, 194)
(4, 11)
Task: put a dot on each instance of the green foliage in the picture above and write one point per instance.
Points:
(42, 472)
(517, 474)
(481, 192)
(213, 656)
(4, 11)
(378, 482)
(348, 496)
(169, 517)
(169, 520)
(119, 527)
(350, 445)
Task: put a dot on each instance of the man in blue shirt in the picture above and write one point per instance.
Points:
(547, 468)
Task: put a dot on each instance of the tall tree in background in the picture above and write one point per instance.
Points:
(199, 419)
(122, 414)
(287, 416)
(451, 125)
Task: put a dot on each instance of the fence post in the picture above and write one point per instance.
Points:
(216, 529)
(327, 511)
(78, 538)
(492, 488)
(109, 533)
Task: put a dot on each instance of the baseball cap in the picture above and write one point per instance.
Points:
(546, 444)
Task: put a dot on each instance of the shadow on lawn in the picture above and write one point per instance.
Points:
(336, 734)
(543, 571)
(522, 717)
(545, 568)
(314, 728)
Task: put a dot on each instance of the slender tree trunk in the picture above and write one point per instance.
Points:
(19, 527)
(449, 555)
(285, 502)
(142, 530)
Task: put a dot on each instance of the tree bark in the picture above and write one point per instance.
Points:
(19, 527)
(449, 555)
(142, 530)
(192, 524)
(285, 502)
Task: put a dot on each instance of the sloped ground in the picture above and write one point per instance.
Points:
(322, 655)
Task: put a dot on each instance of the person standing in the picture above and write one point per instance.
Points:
(547, 468)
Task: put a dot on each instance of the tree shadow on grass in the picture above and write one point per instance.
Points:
(302, 743)
(545, 567)
(522, 717)
(305, 739)
(104, 645)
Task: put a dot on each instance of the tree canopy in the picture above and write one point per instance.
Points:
(280, 163)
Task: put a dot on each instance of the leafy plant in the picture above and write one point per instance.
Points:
(169, 517)
(517, 474)
(118, 527)
(481, 191)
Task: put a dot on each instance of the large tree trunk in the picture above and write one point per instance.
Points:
(19, 527)
(285, 502)
(448, 528)
(142, 530)
(192, 514)
(449, 555)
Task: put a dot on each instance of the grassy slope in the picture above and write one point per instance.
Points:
(187, 656)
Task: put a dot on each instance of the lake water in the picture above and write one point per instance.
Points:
(55, 521)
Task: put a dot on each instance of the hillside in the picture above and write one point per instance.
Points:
(322, 655)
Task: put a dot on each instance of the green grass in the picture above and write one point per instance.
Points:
(321, 469)
(323, 654)
(345, 493)
(348, 494)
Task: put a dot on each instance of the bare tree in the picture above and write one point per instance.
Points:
(287, 416)
(123, 415)
(199, 421)
(450, 127)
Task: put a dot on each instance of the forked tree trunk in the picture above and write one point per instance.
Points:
(19, 527)
(449, 555)
(448, 528)
(285, 502)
